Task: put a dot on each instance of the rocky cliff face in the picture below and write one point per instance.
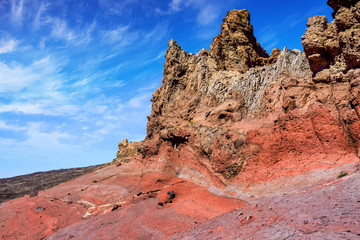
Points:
(234, 115)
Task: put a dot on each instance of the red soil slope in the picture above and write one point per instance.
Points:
(114, 201)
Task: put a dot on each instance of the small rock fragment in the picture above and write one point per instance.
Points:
(115, 207)
(39, 208)
(171, 194)
(33, 194)
(238, 143)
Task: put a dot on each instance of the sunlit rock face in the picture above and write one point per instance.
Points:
(289, 120)
(336, 45)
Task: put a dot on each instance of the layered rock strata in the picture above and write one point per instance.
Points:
(236, 118)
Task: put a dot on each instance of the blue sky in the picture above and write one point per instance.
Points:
(76, 76)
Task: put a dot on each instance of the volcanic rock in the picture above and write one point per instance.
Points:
(334, 45)
(171, 194)
(291, 122)
(236, 48)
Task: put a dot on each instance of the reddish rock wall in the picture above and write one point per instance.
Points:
(236, 116)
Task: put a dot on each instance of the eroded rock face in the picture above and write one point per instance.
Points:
(235, 48)
(287, 121)
(335, 45)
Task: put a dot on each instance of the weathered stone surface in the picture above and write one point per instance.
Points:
(81, 209)
(127, 151)
(334, 45)
(337, 4)
(326, 212)
(235, 48)
(291, 122)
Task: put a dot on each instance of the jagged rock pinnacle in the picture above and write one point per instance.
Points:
(235, 48)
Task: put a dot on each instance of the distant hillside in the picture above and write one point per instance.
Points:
(18, 186)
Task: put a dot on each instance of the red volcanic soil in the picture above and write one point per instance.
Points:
(111, 202)
(329, 211)
(126, 203)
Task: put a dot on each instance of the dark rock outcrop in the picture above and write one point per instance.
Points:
(15, 187)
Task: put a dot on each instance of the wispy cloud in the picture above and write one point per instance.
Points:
(207, 11)
(8, 45)
(39, 15)
(6, 126)
(36, 88)
(207, 15)
(117, 7)
(156, 34)
(268, 37)
(68, 91)
(60, 30)
(175, 5)
(17, 11)
(115, 35)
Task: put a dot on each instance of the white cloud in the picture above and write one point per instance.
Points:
(7, 46)
(22, 108)
(38, 21)
(38, 136)
(85, 37)
(160, 56)
(115, 35)
(175, 5)
(17, 11)
(82, 82)
(45, 108)
(207, 11)
(67, 99)
(4, 125)
(60, 30)
(14, 77)
(157, 34)
(138, 101)
(37, 88)
(207, 15)
(117, 7)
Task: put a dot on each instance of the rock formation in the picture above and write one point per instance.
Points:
(233, 124)
(236, 48)
(335, 45)
(287, 121)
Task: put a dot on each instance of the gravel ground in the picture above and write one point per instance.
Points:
(329, 211)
